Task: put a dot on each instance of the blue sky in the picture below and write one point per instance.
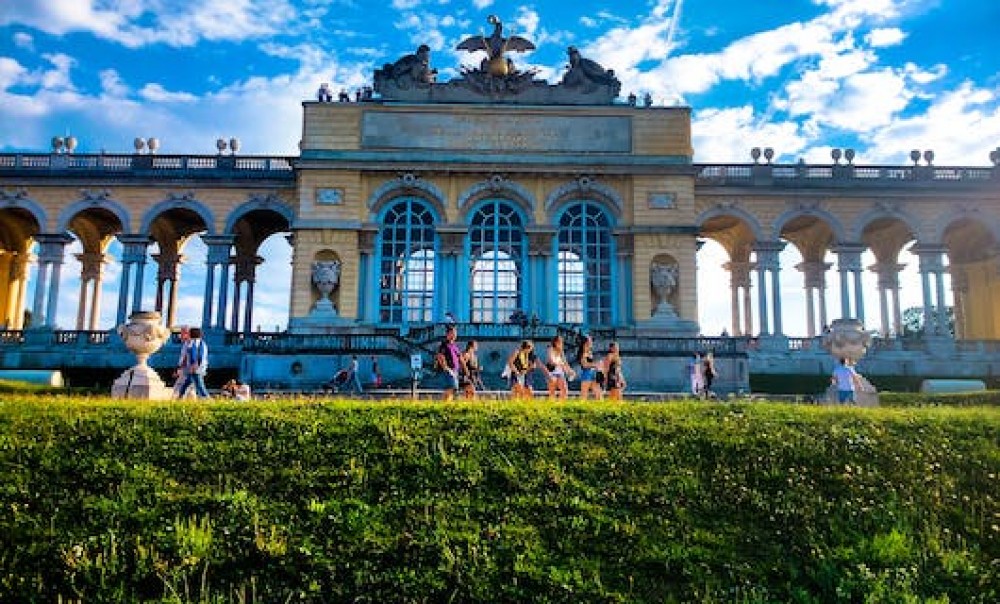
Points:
(801, 76)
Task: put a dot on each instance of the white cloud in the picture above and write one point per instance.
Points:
(883, 37)
(136, 23)
(972, 111)
(23, 40)
(158, 94)
(112, 84)
(11, 73)
(727, 135)
(481, 4)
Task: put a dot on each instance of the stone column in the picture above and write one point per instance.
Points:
(50, 256)
(888, 284)
(168, 273)
(814, 277)
(542, 270)
(960, 291)
(453, 290)
(19, 290)
(768, 262)
(624, 308)
(245, 273)
(91, 272)
(849, 264)
(133, 255)
(930, 257)
(739, 278)
(219, 255)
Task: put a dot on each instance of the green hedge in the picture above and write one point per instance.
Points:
(103, 501)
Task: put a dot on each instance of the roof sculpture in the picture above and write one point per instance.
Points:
(497, 79)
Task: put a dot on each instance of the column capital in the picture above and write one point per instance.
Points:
(452, 240)
(540, 241)
(246, 268)
(739, 272)
(931, 257)
(814, 273)
(91, 264)
(767, 254)
(367, 235)
(849, 256)
(624, 243)
(219, 248)
(51, 246)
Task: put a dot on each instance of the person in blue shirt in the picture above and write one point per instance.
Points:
(195, 361)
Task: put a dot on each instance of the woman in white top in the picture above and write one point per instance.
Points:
(559, 370)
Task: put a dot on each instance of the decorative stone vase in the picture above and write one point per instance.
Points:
(663, 278)
(326, 278)
(143, 335)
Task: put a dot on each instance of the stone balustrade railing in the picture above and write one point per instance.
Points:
(799, 175)
(207, 166)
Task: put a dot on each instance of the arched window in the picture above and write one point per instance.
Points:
(584, 262)
(496, 249)
(407, 245)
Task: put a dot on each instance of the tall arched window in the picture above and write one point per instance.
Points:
(584, 262)
(496, 251)
(407, 245)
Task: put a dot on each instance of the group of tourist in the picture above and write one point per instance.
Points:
(463, 372)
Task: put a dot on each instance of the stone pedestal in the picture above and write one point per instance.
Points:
(665, 321)
(142, 382)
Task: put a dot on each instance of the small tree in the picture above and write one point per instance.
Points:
(913, 321)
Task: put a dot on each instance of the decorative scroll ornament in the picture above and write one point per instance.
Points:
(186, 196)
(13, 196)
(95, 195)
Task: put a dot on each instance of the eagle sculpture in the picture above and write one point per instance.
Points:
(495, 63)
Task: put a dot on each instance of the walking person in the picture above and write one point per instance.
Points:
(196, 363)
(588, 370)
(376, 375)
(519, 366)
(847, 381)
(614, 376)
(354, 375)
(696, 375)
(449, 360)
(471, 379)
(559, 370)
(180, 374)
(709, 373)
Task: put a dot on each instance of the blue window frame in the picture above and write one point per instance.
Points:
(407, 252)
(585, 258)
(496, 246)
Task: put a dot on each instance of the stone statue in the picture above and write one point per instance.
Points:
(663, 278)
(588, 75)
(326, 277)
(412, 70)
(846, 339)
(495, 63)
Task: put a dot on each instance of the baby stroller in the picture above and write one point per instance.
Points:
(337, 382)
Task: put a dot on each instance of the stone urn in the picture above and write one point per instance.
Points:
(143, 335)
(326, 277)
(663, 278)
(847, 339)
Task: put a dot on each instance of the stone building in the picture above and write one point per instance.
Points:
(497, 197)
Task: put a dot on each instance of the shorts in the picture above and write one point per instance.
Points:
(588, 375)
(451, 380)
(845, 396)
